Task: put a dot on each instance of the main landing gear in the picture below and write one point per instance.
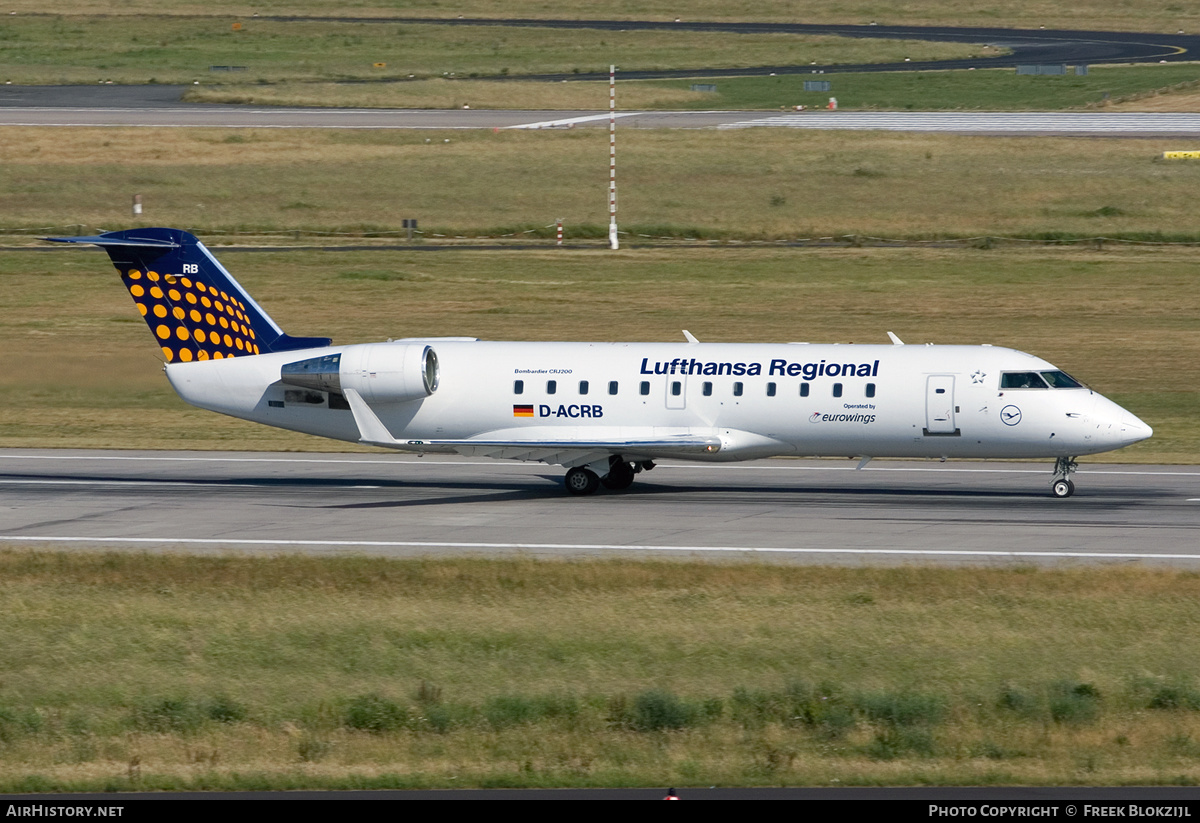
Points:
(583, 480)
(1061, 485)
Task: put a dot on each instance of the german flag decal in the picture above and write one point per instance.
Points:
(522, 411)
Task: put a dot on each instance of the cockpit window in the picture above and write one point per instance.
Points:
(1061, 380)
(1021, 380)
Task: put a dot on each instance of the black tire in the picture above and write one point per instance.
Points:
(1062, 488)
(581, 481)
(620, 476)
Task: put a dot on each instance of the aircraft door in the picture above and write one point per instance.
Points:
(939, 405)
(676, 391)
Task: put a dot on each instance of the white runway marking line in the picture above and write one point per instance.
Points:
(570, 121)
(103, 124)
(166, 483)
(39, 482)
(449, 544)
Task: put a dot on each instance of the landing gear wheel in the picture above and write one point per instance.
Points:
(1062, 488)
(582, 481)
(620, 476)
(1061, 485)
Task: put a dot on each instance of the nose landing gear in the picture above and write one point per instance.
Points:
(1061, 485)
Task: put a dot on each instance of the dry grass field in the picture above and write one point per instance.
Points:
(756, 184)
(1135, 15)
(160, 671)
(441, 93)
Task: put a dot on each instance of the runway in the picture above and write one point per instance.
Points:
(1125, 124)
(786, 511)
(1094, 124)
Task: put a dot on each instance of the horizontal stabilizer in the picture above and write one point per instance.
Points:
(110, 240)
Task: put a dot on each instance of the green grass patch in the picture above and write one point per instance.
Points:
(293, 672)
(1086, 14)
(160, 48)
(1129, 87)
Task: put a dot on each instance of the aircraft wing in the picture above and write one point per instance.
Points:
(543, 445)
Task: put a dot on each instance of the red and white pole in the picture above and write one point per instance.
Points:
(612, 158)
(558, 232)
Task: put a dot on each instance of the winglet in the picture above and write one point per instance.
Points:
(370, 428)
(691, 338)
(896, 341)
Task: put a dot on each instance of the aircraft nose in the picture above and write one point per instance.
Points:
(1118, 425)
(1132, 428)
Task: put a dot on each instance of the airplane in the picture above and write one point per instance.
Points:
(605, 411)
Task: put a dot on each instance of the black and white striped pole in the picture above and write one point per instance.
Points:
(612, 158)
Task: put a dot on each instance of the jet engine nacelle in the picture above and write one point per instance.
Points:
(380, 372)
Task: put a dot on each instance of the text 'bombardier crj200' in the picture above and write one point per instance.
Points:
(605, 411)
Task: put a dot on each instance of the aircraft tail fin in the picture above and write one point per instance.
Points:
(192, 304)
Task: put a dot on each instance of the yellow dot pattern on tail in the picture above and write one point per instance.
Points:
(195, 309)
(192, 320)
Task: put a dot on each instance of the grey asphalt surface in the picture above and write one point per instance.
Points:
(786, 511)
(283, 117)
(1125, 124)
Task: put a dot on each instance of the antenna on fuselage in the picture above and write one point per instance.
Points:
(896, 341)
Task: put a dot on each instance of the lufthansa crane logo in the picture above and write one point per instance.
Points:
(1010, 415)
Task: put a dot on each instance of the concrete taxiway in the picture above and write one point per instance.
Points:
(791, 511)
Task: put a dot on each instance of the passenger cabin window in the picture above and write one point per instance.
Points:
(737, 389)
(1022, 380)
(676, 388)
(612, 386)
(551, 386)
(518, 387)
(583, 387)
(645, 387)
(707, 389)
(870, 390)
(837, 389)
(770, 390)
(804, 389)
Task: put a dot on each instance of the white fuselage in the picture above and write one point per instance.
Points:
(860, 400)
